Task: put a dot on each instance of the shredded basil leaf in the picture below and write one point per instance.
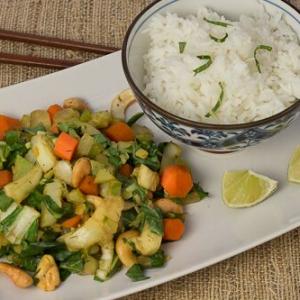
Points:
(134, 118)
(182, 46)
(71, 128)
(4, 153)
(219, 40)
(26, 263)
(153, 159)
(35, 130)
(5, 201)
(74, 263)
(260, 47)
(156, 260)
(200, 192)
(5, 250)
(153, 218)
(218, 23)
(32, 233)
(64, 274)
(15, 143)
(136, 273)
(204, 66)
(35, 199)
(54, 209)
(219, 102)
(10, 219)
(116, 266)
(127, 217)
(38, 248)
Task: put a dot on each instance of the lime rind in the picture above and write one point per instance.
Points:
(246, 188)
(294, 167)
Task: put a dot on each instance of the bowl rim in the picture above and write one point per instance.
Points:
(190, 123)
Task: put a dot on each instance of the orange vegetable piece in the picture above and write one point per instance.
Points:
(5, 177)
(177, 181)
(53, 109)
(126, 170)
(72, 222)
(120, 132)
(54, 128)
(88, 185)
(65, 146)
(6, 124)
(173, 229)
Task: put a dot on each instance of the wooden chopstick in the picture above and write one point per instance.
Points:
(54, 42)
(34, 61)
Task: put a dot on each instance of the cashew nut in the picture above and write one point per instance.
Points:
(20, 278)
(121, 103)
(81, 168)
(75, 103)
(124, 250)
(47, 274)
(169, 206)
(95, 200)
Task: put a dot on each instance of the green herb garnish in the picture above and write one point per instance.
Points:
(218, 23)
(153, 218)
(74, 263)
(32, 233)
(182, 46)
(134, 118)
(260, 47)
(54, 209)
(219, 102)
(200, 192)
(219, 40)
(204, 66)
(5, 201)
(136, 273)
(156, 260)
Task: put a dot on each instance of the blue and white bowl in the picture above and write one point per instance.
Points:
(209, 137)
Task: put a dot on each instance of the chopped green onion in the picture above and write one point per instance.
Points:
(218, 23)
(219, 102)
(182, 46)
(204, 66)
(134, 118)
(260, 47)
(219, 40)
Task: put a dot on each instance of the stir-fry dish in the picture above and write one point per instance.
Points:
(87, 192)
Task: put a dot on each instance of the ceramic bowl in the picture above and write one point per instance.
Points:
(209, 137)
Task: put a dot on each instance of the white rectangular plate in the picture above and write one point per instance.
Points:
(213, 231)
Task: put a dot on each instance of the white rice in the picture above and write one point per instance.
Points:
(248, 94)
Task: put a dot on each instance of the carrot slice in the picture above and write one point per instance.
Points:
(120, 132)
(65, 146)
(173, 229)
(52, 110)
(72, 222)
(5, 177)
(6, 124)
(88, 185)
(54, 129)
(177, 181)
(126, 170)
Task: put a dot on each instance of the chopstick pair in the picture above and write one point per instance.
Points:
(49, 42)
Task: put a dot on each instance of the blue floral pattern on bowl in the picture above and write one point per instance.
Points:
(216, 140)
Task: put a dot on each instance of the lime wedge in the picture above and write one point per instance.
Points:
(294, 167)
(246, 188)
